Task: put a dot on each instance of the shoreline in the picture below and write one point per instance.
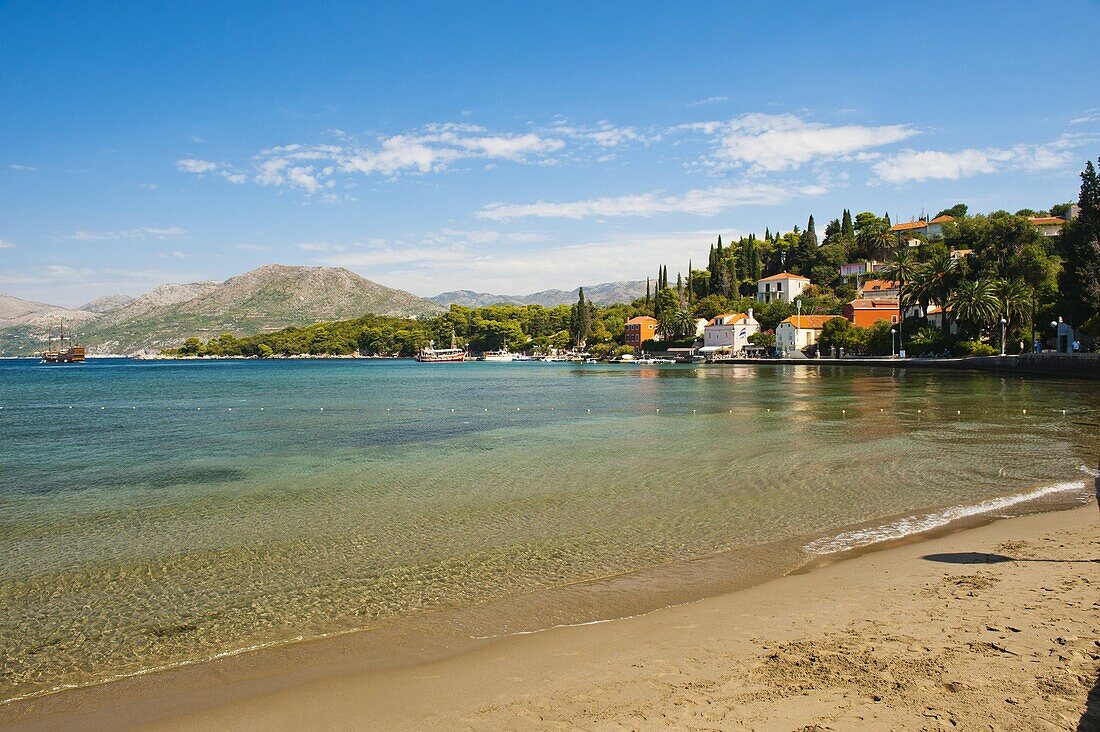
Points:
(173, 696)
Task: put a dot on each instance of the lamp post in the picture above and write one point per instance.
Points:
(1004, 323)
(798, 324)
(892, 332)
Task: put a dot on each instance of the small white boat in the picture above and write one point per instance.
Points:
(503, 356)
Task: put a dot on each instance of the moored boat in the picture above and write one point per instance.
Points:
(431, 354)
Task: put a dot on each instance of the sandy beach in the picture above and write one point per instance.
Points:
(992, 627)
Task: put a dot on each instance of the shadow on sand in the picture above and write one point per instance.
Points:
(988, 558)
(1090, 720)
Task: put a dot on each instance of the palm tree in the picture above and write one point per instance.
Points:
(666, 324)
(1015, 297)
(932, 283)
(684, 323)
(902, 270)
(975, 303)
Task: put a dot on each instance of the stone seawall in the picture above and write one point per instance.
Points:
(1058, 365)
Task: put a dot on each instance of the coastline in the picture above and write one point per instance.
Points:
(494, 683)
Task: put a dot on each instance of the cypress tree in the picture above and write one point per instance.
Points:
(809, 237)
(647, 294)
(846, 229)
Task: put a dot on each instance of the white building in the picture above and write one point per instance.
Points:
(784, 287)
(799, 331)
(1048, 225)
(729, 332)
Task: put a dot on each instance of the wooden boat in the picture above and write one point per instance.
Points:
(431, 354)
(72, 354)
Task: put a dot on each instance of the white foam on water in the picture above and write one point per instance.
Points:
(919, 523)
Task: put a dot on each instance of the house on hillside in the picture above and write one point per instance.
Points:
(799, 331)
(728, 333)
(928, 229)
(879, 290)
(865, 312)
(639, 330)
(1048, 225)
(784, 287)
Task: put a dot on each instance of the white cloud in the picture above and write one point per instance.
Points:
(148, 232)
(773, 142)
(201, 167)
(22, 168)
(922, 165)
(319, 246)
(708, 100)
(698, 202)
(178, 254)
(5, 244)
(73, 286)
(1090, 116)
(147, 186)
(251, 247)
(191, 165)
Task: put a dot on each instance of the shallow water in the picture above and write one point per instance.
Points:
(154, 513)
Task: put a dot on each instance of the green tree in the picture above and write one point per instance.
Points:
(957, 211)
(580, 320)
(975, 304)
(1079, 244)
(932, 283)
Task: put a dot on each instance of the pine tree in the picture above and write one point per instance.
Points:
(846, 229)
(1079, 245)
(767, 234)
(580, 320)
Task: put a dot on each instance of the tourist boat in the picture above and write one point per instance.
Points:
(72, 354)
(501, 356)
(431, 354)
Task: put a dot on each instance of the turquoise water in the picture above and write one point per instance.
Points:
(155, 513)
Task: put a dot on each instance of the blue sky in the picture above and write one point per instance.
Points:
(510, 147)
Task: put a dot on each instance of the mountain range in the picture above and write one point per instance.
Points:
(605, 293)
(268, 298)
(265, 299)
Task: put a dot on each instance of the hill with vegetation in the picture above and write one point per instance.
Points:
(606, 293)
(266, 299)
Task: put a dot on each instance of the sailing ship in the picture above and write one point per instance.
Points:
(62, 354)
(431, 354)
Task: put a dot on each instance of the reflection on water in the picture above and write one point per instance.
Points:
(153, 513)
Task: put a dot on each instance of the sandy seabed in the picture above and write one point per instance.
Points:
(993, 628)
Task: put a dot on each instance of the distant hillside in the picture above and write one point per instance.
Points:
(37, 315)
(107, 303)
(602, 294)
(265, 299)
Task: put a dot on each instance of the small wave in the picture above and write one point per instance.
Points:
(919, 523)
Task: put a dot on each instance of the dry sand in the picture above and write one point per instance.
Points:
(994, 627)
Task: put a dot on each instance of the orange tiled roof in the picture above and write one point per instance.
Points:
(642, 319)
(1046, 220)
(733, 318)
(815, 322)
(867, 304)
(784, 276)
(879, 285)
(909, 225)
(942, 219)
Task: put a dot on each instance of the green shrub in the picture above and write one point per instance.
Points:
(974, 348)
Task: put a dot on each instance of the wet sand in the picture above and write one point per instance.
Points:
(993, 627)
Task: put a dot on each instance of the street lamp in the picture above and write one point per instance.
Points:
(892, 332)
(1003, 324)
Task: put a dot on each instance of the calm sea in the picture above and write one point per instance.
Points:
(159, 513)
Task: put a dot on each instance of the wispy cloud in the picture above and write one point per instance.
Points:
(434, 148)
(512, 268)
(5, 244)
(201, 167)
(148, 232)
(22, 168)
(698, 202)
(708, 100)
(248, 247)
(776, 142)
(915, 166)
(1091, 115)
